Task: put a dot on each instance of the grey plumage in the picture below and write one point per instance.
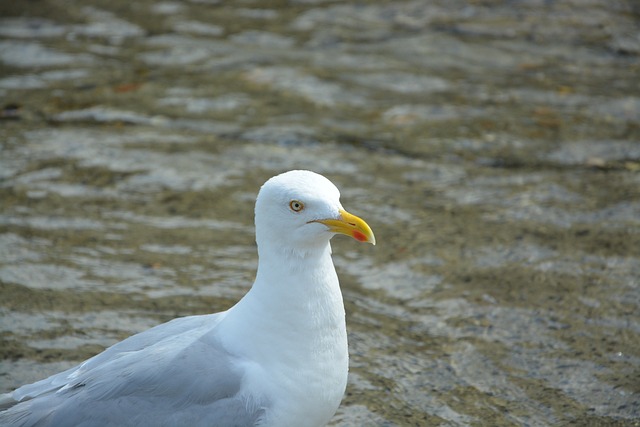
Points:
(150, 374)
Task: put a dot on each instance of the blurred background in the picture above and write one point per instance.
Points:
(493, 147)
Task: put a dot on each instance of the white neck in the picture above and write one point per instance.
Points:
(290, 327)
(296, 294)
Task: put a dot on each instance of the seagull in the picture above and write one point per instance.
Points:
(277, 358)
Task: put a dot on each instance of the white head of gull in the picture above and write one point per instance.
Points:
(277, 358)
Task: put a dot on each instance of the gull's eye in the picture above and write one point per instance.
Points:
(296, 206)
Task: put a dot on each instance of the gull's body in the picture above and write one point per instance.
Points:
(277, 358)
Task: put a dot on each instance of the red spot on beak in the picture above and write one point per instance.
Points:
(359, 236)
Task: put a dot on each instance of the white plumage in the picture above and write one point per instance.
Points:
(277, 358)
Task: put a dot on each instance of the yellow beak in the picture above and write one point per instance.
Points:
(350, 225)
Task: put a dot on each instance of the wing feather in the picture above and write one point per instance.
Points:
(175, 374)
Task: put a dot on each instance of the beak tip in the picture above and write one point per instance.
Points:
(365, 238)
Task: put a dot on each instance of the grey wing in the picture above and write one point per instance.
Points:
(183, 379)
(127, 413)
(134, 343)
